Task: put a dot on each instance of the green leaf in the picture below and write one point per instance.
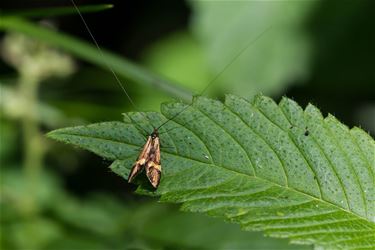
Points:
(275, 168)
(278, 58)
(56, 11)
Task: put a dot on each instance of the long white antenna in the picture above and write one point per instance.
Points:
(102, 55)
(239, 53)
(122, 86)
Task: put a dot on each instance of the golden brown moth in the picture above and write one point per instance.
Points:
(149, 159)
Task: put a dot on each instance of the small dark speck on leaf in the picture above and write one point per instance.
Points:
(306, 132)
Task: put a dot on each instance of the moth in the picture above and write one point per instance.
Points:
(149, 160)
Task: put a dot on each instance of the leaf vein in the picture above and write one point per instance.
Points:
(265, 141)
(349, 163)
(327, 158)
(308, 163)
(233, 138)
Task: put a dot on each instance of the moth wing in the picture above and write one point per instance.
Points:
(156, 146)
(153, 172)
(141, 160)
(146, 149)
(153, 166)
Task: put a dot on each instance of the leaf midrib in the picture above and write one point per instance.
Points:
(223, 168)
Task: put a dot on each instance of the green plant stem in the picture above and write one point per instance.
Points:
(56, 11)
(33, 150)
(90, 53)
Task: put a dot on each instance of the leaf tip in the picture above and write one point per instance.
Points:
(257, 98)
(126, 118)
(230, 98)
(313, 111)
(286, 100)
(52, 134)
(360, 130)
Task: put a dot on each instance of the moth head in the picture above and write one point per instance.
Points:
(155, 134)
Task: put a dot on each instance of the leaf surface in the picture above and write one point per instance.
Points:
(269, 167)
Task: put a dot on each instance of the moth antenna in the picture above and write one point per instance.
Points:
(139, 127)
(252, 41)
(183, 125)
(103, 57)
(121, 85)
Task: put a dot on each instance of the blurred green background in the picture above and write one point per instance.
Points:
(57, 197)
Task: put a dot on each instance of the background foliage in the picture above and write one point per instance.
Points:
(54, 197)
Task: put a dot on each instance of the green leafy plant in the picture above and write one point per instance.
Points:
(56, 11)
(89, 52)
(275, 168)
(279, 169)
